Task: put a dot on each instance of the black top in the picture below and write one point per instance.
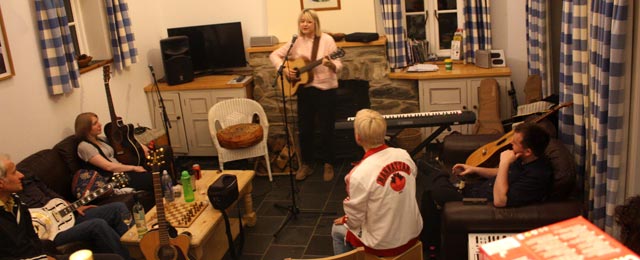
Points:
(528, 183)
(18, 240)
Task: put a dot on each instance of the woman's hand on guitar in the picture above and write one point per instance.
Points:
(329, 64)
(291, 74)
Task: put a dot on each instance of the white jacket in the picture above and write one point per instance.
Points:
(381, 206)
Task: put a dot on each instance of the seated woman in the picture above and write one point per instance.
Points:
(100, 156)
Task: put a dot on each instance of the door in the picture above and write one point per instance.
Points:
(196, 111)
(444, 95)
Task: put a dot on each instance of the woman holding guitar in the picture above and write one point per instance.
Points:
(317, 97)
(99, 155)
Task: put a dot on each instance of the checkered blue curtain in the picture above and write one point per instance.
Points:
(394, 30)
(58, 55)
(477, 27)
(122, 39)
(537, 46)
(592, 76)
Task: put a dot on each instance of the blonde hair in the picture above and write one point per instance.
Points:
(311, 15)
(370, 127)
(83, 125)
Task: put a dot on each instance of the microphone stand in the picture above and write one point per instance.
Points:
(165, 122)
(292, 210)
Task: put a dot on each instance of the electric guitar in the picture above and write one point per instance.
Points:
(120, 135)
(303, 71)
(157, 244)
(56, 216)
(489, 152)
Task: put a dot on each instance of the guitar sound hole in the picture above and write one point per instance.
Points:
(167, 252)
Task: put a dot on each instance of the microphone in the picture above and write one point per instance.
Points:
(151, 69)
(294, 38)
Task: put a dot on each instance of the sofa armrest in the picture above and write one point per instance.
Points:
(458, 220)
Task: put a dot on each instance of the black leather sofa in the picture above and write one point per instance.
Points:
(458, 219)
(55, 168)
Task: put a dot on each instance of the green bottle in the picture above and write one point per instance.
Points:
(186, 186)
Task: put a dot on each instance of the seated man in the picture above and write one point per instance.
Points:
(101, 226)
(523, 176)
(381, 211)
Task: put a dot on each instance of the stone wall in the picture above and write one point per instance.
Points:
(366, 62)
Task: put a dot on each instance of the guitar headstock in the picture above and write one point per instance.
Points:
(337, 54)
(106, 73)
(155, 159)
(119, 180)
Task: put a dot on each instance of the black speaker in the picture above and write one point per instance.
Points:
(176, 59)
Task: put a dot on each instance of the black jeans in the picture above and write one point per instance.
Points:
(312, 103)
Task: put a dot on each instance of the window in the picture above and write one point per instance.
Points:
(89, 28)
(434, 21)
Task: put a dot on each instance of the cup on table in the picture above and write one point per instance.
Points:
(448, 64)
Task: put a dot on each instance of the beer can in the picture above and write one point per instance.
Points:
(196, 171)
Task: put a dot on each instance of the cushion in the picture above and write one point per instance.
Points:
(564, 170)
(48, 166)
(240, 136)
(68, 150)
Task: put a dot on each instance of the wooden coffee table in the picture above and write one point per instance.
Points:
(208, 235)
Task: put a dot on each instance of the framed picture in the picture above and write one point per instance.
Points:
(320, 5)
(6, 65)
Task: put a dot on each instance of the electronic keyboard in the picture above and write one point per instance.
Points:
(421, 119)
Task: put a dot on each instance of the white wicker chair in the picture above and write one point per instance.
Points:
(236, 111)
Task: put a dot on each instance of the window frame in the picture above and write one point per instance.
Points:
(432, 28)
(90, 15)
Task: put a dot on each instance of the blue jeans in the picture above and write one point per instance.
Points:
(340, 245)
(101, 227)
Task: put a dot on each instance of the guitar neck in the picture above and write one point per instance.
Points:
(84, 200)
(162, 222)
(106, 76)
(310, 66)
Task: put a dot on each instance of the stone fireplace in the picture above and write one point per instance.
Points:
(362, 61)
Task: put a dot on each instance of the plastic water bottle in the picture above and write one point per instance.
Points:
(186, 186)
(138, 215)
(167, 186)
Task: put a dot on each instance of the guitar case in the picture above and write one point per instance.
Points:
(361, 37)
(222, 193)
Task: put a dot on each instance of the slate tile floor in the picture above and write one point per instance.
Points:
(307, 235)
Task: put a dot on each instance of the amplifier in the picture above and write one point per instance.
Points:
(483, 59)
(268, 40)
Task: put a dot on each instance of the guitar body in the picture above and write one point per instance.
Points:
(484, 156)
(120, 135)
(121, 138)
(152, 248)
(291, 86)
(48, 222)
(489, 154)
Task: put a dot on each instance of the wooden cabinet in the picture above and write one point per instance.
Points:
(187, 108)
(458, 90)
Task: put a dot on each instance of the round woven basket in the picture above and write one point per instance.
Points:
(409, 138)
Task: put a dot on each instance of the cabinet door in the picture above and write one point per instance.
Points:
(196, 106)
(442, 95)
(177, 133)
(504, 84)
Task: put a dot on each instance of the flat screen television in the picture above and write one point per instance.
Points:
(214, 48)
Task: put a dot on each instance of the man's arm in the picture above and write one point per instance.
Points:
(463, 169)
(501, 185)
(355, 206)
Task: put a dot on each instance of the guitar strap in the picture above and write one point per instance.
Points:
(314, 54)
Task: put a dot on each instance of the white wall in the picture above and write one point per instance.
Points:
(353, 16)
(508, 32)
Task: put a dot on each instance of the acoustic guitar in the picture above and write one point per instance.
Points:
(303, 72)
(120, 135)
(157, 244)
(56, 216)
(490, 151)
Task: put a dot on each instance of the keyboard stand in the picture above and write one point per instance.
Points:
(429, 139)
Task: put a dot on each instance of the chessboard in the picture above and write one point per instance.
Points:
(182, 215)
